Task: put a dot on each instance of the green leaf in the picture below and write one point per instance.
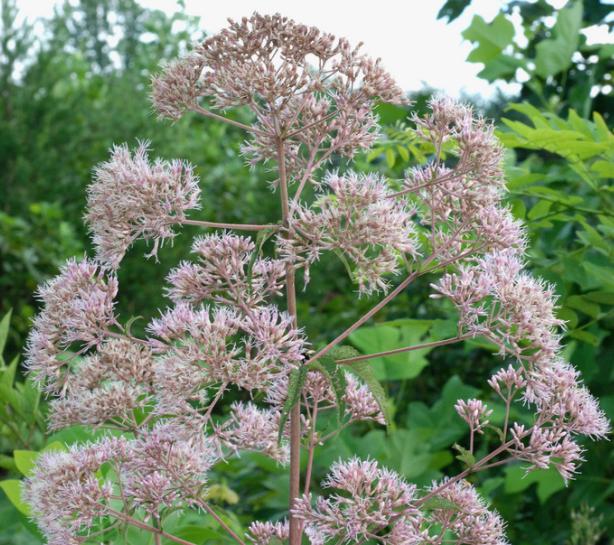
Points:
(12, 489)
(335, 375)
(25, 460)
(580, 303)
(452, 9)
(399, 334)
(295, 385)
(554, 55)
(491, 38)
(222, 492)
(548, 481)
(603, 168)
(464, 455)
(390, 158)
(4, 333)
(7, 374)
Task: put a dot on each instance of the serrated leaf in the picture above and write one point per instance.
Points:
(295, 385)
(336, 377)
(464, 455)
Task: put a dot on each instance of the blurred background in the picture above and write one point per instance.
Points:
(74, 79)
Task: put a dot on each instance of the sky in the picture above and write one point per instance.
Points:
(415, 47)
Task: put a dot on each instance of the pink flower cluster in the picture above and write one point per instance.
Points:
(353, 216)
(131, 198)
(372, 502)
(312, 97)
(497, 299)
(77, 312)
(461, 204)
(68, 492)
(297, 81)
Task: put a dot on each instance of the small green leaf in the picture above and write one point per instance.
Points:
(25, 460)
(4, 333)
(12, 489)
(295, 385)
(464, 455)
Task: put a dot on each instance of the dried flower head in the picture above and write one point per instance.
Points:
(297, 80)
(131, 198)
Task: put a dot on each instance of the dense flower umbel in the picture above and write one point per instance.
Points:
(107, 385)
(352, 215)
(225, 275)
(131, 198)
(65, 493)
(296, 79)
(77, 312)
(461, 203)
(165, 467)
(377, 502)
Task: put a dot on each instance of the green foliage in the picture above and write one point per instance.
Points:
(398, 334)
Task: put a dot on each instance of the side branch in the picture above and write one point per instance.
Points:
(367, 316)
(432, 344)
(199, 109)
(238, 226)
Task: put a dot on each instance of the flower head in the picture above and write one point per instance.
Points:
(373, 501)
(131, 198)
(353, 215)
(77, 310)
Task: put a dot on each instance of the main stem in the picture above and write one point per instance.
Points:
(295, 415)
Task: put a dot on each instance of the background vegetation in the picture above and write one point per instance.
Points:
(80, 83)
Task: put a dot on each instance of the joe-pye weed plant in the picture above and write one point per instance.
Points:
(232, 321)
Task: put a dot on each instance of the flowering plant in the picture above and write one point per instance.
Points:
(312, 97)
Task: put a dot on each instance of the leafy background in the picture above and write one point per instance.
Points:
(69, 92)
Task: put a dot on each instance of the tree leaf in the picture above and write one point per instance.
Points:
(491, 37)
(554, 55)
